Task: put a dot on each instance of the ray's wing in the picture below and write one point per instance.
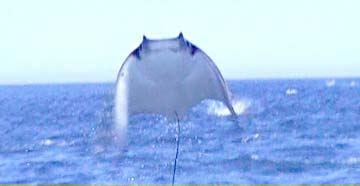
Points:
(207, 81)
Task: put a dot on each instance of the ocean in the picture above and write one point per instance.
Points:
(286, 131)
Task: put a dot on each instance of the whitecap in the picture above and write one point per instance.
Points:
(330, 82)
(353, 160)
(46, 142)
(254, 157)
(291, 91)
(247, 139)
(353, 84)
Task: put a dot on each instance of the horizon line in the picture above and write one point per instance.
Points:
(227, 79)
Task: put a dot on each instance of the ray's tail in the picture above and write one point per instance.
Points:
(177, 147)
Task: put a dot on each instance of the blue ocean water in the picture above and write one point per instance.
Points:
(287, 131)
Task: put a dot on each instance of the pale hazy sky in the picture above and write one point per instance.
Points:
(45, 41)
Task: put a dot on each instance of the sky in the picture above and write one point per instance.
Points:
(65, 41)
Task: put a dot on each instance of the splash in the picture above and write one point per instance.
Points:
(121, 113)
(219, 109)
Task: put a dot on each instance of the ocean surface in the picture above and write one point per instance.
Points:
(286, 131)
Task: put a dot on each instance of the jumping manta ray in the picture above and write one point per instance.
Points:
(167, 77)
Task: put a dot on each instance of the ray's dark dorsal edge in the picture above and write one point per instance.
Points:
(192, 47)
(136, 53)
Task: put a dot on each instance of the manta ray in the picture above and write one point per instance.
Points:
(166, 77)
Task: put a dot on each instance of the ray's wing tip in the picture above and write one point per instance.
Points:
(144, 38)
(181, 35)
